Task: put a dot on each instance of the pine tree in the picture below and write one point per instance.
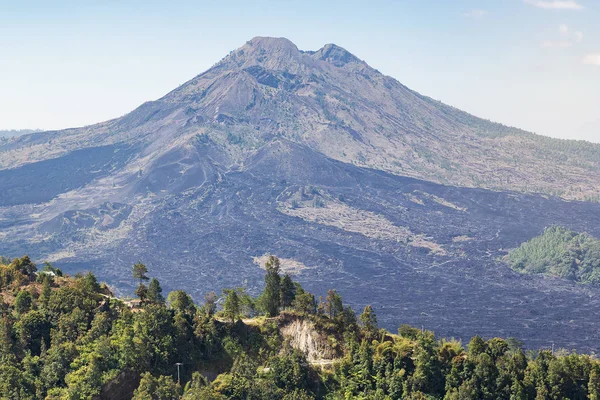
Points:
(142, 292)
(368, 319)
(333, 304)
(155, 292)
(140, 271)
(23, 302)
(231, 307)
(91, 283)
(271, 296)
(181, 302)
(46, 292)
(305, 303)
(476, 346)
(288, 291)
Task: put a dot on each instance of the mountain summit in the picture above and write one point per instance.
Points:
(344, 173)
(338, 105)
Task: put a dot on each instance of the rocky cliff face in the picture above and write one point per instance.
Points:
(363, 184)
(303, 336)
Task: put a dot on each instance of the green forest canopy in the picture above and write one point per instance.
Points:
(559, 252)
(68, 338)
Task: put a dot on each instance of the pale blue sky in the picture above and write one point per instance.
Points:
(534, 64)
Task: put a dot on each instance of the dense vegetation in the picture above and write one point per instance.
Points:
(559, 252)
(68, 338)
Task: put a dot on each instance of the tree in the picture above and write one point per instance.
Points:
(155, 291)
(210, 303)
(476, 346)
(6, 339)
(298, 394)
(427, 377)
(290, 370)
(140, 271)
(368, 319)
(141, 292)
(181, 302)
(25, 266)
(203, 393)
(594, 383)
(231, 307)
(247, 303)
(23, 302)
(32, 328)
(287, 291)
(485, 377)
(154, 339)
(271, 297)
(90, 283)
(46, 291)
(51, 268)
(161, 388)
(347, 320)
(305, 303)
(333, 304)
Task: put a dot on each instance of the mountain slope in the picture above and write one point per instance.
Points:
(338, 105)
(357, 181)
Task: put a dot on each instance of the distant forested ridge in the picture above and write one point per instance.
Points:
(559, 252)
(16, 132)
(67, 337)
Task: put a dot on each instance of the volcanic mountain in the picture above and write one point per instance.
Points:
(357, 182)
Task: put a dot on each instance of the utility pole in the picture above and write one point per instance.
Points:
(178, 379)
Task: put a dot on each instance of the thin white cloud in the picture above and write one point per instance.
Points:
(476, 14)
(592, 59)
(563, 29)
(555, 4)
(557, 44)
(568, 38)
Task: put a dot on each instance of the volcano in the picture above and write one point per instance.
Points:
(355, 181)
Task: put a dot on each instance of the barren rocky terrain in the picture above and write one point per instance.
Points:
(357, 182)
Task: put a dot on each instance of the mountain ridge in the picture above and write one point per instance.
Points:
(339, 105)
(343, 171)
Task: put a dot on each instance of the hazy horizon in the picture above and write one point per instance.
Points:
(530, 64)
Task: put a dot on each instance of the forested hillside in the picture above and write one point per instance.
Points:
(559, 252)
(69, 338)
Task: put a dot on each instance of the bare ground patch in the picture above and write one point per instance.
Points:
(335, 213)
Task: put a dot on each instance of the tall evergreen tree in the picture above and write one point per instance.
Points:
(23, 302)
(288, 291)
(46, 291)
(305, 303)
(333, 304)
(368, 319)
(181, 302)
(271, 296)
(155, 291)
(231, 307)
